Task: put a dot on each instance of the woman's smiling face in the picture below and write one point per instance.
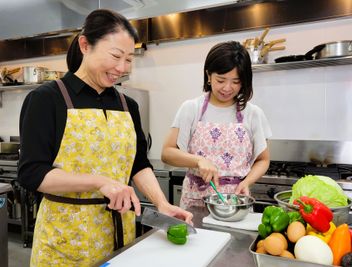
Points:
(109, 59)
(224, 88)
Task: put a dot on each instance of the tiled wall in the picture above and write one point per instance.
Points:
(300, 104)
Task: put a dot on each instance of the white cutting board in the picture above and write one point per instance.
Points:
(250, 222)
(156, 251)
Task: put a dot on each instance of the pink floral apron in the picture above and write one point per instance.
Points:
(228, 146)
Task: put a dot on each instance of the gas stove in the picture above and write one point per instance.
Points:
(283, 170)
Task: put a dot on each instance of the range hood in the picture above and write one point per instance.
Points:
(38, 28)
(28, 18)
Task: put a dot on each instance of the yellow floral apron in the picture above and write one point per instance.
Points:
(81, 235)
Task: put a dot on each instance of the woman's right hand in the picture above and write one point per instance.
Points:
(208, 171)
(121, 197)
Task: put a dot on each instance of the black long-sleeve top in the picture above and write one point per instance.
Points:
(43, 119)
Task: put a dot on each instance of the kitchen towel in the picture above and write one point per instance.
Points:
(250, 222)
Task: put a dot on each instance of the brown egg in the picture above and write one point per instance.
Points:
(283, 238)
(274, 244)
(295, 231)
(260, 243)
(287, 254)
(261, 250)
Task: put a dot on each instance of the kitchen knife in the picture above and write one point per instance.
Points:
(155, 219)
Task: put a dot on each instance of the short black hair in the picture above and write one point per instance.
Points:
(224, 57)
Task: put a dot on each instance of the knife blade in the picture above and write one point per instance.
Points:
(157, 220)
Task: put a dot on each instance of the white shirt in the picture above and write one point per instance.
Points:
(254, 121)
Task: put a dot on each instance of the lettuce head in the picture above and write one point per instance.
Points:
(323, 188)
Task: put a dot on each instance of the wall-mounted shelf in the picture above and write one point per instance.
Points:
(302, 64)
(15, 88)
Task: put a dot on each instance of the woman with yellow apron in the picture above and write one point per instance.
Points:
(81, 141)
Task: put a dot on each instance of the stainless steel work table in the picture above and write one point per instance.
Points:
(235, 253)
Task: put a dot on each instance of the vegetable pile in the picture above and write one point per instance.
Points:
(308, 234)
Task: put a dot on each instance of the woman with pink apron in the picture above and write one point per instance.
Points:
(220, 136)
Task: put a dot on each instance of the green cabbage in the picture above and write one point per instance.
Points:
(323, 188)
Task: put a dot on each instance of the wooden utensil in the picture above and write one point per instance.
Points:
(276, 48)
(261, 38)
(274, 42)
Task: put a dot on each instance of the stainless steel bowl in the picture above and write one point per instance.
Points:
(340, 213)
(230, 212)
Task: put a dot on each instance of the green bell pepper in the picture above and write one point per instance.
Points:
(177, 234)
(295, 216)
(274, 219)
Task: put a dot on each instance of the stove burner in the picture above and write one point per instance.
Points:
(300, 169)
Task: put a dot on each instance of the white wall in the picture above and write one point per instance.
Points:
(300, 104)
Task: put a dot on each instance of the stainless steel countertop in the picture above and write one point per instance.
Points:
(235, 253)
(160, 167)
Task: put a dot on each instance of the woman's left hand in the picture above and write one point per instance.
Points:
(175, 211)
(242, 188)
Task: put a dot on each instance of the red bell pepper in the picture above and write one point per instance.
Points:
(315, 213)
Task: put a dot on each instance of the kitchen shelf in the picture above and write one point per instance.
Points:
(302, 64)
(15, 88)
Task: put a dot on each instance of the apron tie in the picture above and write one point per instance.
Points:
(116, 216)
(223, 180)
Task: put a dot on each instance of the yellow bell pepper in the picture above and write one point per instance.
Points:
(323, 236)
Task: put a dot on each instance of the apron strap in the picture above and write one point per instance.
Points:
(123, 101)
(239, 115)
(116, 216)
(65, 94)
(205, 105)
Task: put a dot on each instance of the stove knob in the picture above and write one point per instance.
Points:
(271, 192)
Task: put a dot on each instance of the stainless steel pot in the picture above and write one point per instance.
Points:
(51, 75)
(332, 49)
(32, 75)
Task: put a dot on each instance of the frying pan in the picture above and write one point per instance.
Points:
(327, 50)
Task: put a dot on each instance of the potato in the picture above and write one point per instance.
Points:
(282, 237)
(275, 244)
(261, 250)
(260, 243)
(287, 254)
(295, 231)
